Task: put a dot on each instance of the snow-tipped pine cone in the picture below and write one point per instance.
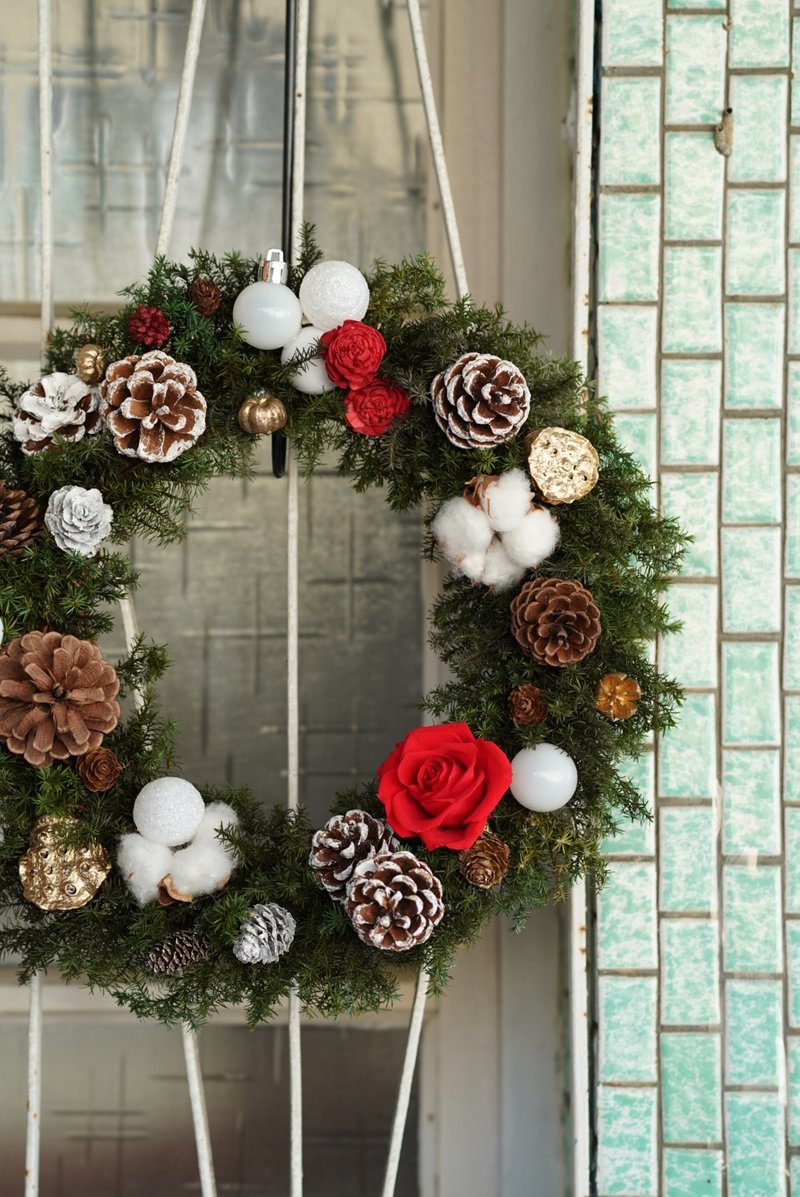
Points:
(344, 842)
(394, 901)
(480, 401)
(152, 406)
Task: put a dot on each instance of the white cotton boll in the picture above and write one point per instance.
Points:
(500, 571)
(200, 869)
(461, 529)
(508, 500)
(472, 566)
(218, 816)
(533, 539)
(143, 864)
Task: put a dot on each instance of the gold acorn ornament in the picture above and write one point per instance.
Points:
(261, 414)
(616, 695)
(56, 875)
(90, 363)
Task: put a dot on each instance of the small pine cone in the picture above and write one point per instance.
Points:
(149, 326)
(99, 770)
(152, 406)
(20, 521)
(617, 695)
(485, 864)
(527, 705)
(344, 842)
(57, 406)
(266, 935)
(555, 621)
(205, 296)
(176, 953)
(480, 401)
(394, 901)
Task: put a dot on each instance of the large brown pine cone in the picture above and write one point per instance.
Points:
(57, 697)
(555, 621)
(58, 405)
(344, 842)
(152, 406)
(480, 400)
(20, 521)
(394, 901)
(177, 952)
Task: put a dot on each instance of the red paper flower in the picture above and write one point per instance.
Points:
(353, 352)
(442, 784)
(372, 409)
(149, 326)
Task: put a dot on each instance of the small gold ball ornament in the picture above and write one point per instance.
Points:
(262, 414)
(58, 876)
(616, 695)
(90, 363)
(563, 465)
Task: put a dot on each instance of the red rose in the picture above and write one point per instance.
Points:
(373, 409)
(442, 784)
(353, 352)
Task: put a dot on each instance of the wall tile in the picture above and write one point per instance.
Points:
(751, 471)
(685, 655)
(754, 1124)
(627, 1128)
(794, 1175)
(690, 396)
(793, 333)
(696, 48)
(694, 178)
(750, 712)
(759, 33)
(687, 858)
(794, 116)
(792, 865)
(793, 421)
(751, 897)
(751, 802)
(793, 969)
(626, 910)
(755, 240)
(627, 337)
(793, 1069)
(691, 1080)
(692, 1172)
(629, 131)
(638, 434)
(759, 105)
(792, 562)
(751, 579)
(691, 322)
(791, 770)
(689, 751)
(791, 632)
(690, 972)
(794, 186)
(627, 1041)
(628, 234)
(754, 1032)
(632, 33)
(692, 499)
(634, 837)
(754, 339)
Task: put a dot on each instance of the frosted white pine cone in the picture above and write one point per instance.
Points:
(78, 519)
(266, 935)
(57, 405)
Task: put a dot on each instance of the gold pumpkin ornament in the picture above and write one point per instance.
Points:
(617, 695)
(58, 876)
(262, 414)
(563, 465)
(90, 364)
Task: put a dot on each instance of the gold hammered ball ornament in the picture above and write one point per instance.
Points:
(563, 465)
(262, 414)
(90, 364)
(59, 876)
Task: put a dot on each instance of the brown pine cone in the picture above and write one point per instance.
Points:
(152, 406)
(527, 705)
(20, 521)
(480, 401)
(57, 697)
(485, 864)
(344, 842)
(205, 296)
(555, 621)
(617, 694)
(99, 770)
(394, 901)
(177, 951)
(58, 405)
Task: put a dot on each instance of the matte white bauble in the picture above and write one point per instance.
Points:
(311, 378)
(269, 314)
(333, 292)
(168, 811)
(543, 778)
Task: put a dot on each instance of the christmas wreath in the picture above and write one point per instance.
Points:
(178, 900)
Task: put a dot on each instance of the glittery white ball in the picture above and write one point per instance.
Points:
(311, 378)
(168, 811)
(333, 292)
(269, 314)
(543, 778)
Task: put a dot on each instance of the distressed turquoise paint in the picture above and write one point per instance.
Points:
(755, 1137)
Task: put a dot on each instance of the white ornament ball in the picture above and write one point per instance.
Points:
(333, 292)
(311, 378)
(543, 778)
(168, 811)
(269, 314)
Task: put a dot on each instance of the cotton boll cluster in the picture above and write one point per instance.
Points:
(195, 860)
(497, 534)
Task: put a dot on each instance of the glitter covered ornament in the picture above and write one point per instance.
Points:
(267, 311)
(332, 292)
(168, 811)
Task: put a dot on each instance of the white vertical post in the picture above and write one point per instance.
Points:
(34, 1123)
(406, 1081)
(197, 1098)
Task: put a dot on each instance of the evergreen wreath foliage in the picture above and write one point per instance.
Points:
(612, 540)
